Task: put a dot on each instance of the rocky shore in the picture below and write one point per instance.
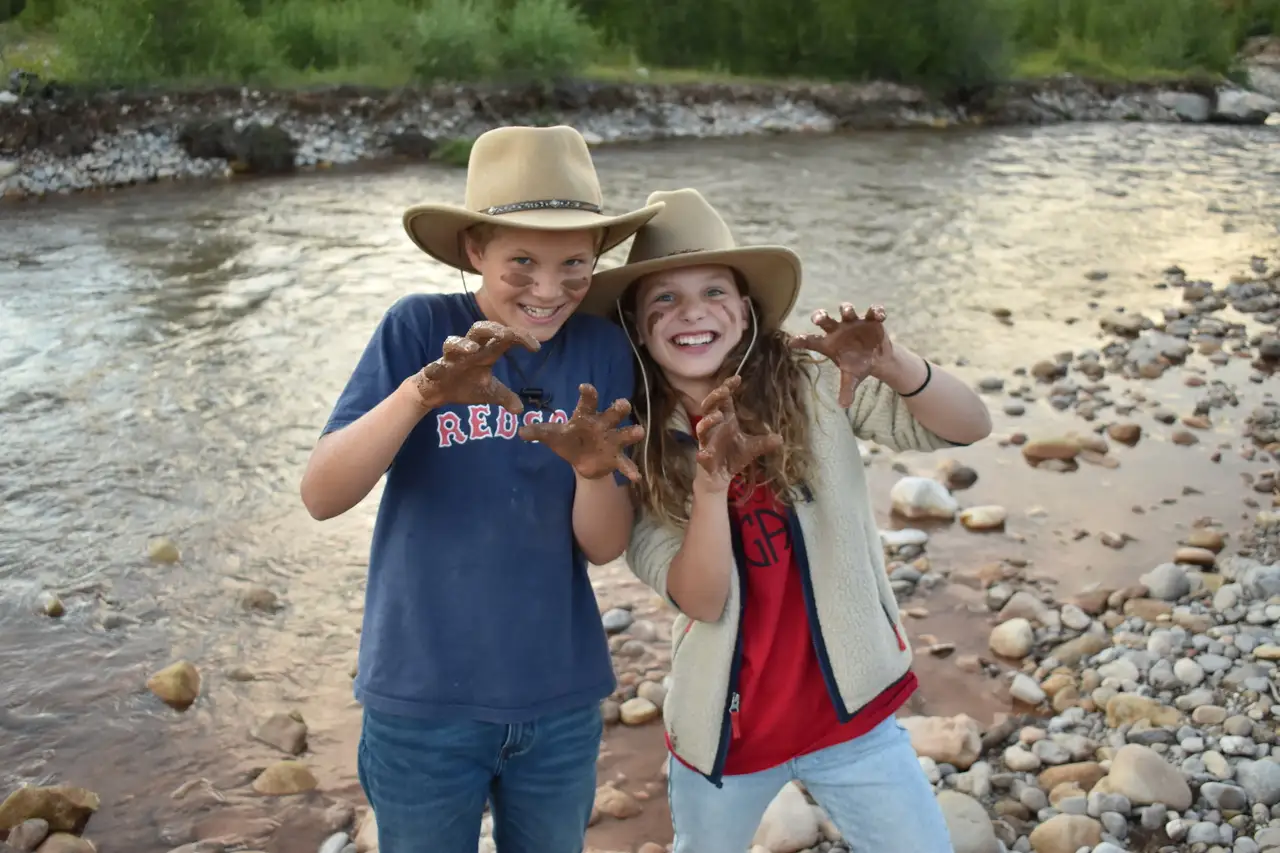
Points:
(56, 139)
(1139, 717)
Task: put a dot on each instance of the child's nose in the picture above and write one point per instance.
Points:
(691, 312)
(546, 286)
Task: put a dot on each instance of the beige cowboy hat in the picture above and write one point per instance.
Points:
(523, 177)
(688, 232)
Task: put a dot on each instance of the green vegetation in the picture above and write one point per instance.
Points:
(950, 45)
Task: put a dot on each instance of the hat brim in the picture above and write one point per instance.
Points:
(437, 229)
(772, 274)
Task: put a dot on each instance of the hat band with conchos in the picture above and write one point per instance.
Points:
(544, 204)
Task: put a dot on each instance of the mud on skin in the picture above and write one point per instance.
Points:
(590, 441)
(854, 344)
(464, 372)
(521, 280)
(723, 449)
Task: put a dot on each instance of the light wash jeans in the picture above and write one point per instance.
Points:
(872, 788)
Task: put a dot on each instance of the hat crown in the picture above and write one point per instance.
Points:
(688, 223)
(515, 165)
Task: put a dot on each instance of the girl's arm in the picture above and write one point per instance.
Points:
(698, 579)
(942, 403)
(602, 518)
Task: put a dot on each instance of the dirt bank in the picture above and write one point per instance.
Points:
(57, 139)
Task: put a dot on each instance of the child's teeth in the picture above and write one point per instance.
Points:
(538, 312)
(694, 340)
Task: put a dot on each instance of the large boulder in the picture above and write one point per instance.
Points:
(256, 148)
(63, 807)
(1240, 106)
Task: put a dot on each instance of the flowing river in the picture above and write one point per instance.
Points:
(168, 355)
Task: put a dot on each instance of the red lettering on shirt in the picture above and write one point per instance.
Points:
(449, 429)
(479, 423)
(533, 417)
(508, 424)
(559, 416)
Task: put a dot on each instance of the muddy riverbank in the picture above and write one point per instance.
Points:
(55, 139)
(151, 343)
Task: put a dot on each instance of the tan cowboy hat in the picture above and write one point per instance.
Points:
(688, 232)
(523, 177)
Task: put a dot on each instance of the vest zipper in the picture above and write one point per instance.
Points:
(729, 726)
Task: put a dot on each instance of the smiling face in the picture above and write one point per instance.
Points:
(533, 280)
(689, 320)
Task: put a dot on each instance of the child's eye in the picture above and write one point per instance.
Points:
(522, 261)
(573, 262)
(663, 297)
(715, 291)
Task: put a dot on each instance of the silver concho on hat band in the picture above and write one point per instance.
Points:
(545, 204)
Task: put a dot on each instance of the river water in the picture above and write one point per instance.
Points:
(168, 354)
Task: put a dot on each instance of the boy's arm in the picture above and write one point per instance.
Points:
(346, 464)
(602, 518)
(603, 513)
(376, 412)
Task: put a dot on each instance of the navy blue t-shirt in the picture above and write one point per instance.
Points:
(478, 604)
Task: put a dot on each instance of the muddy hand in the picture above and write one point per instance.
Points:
(591, 441)
(464, 372)
(854, 344)
(724, 451)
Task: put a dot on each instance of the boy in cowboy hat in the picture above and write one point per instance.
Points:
(789, 659)
(482, 659)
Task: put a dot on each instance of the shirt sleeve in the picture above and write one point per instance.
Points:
(395, 352)
(880, 414)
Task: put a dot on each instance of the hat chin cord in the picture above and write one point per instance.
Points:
(644, 374)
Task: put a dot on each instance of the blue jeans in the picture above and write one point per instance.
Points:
(428, 782)
(871, 787)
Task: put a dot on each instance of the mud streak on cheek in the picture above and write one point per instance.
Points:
(574, 285)
(518, 279)
(651, 322)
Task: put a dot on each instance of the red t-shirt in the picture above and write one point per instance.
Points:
(784, 707)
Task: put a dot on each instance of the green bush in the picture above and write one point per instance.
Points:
(948, 45)
(143, 41)
(40, 13)
(546, 40)
(10, 9)
(327, 34)
(1177, 35)
(1257, 18)
(948, 42)
(455, 40)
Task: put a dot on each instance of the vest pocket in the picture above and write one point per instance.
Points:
(893, 626)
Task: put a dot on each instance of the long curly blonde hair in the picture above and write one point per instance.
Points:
(776, 393)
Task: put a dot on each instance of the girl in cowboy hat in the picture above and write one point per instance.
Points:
(788, 659)
(482, 658)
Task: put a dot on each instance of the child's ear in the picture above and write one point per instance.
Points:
(475, 254)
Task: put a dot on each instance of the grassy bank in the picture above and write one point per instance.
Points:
(946, 44)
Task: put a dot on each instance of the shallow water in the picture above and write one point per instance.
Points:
(169, 354)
